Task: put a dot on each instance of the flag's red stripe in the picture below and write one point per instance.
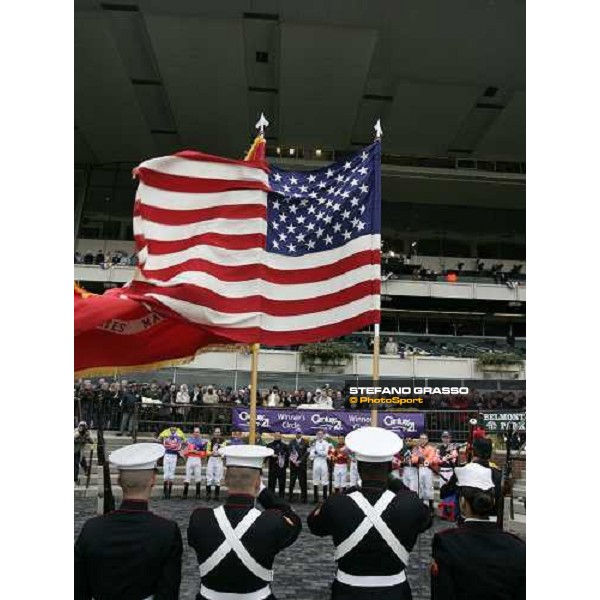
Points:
(196, 185)
(306, 336)
(276, 308)
(187, 217)
(201, 157)
(221, 240)
(250, 335)
(259, 271)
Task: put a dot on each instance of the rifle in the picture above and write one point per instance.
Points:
(507, 479)
(109, 499)
(89, 469)
(472, 423)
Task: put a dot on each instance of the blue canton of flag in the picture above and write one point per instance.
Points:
(323, 209)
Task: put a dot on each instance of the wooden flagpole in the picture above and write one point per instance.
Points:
(375, 371)
(260, 125)
(253, 392)
(378, 133)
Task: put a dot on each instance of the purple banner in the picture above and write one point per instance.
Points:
(332, 422)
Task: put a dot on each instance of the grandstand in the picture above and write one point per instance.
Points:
(453, 164)
(447, 81)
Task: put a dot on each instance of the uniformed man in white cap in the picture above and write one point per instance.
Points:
(373, 529)
(236, 543)
(130, 553)
(477, 561)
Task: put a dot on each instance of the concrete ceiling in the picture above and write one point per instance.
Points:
(152, 77)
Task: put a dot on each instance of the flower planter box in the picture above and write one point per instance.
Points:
(318, 366)
(514, 368)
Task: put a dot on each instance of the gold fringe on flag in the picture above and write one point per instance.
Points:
(163, 364)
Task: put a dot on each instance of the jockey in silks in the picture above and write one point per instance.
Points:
(172, 439)
(194, 450)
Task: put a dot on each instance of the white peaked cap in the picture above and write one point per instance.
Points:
(137, 457)
(250, 455)
(474, 475)
(373, 444)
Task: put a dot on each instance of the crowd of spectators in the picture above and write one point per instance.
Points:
(408, 345)
(163, 402)
(105, 259)
(403, 267)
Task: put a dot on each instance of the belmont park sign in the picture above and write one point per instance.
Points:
(501, 421)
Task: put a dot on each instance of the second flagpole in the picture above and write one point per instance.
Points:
(375, 371)
(253, 392)
(378, 134)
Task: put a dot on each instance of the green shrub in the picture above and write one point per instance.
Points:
(499, 359)
(326, 352)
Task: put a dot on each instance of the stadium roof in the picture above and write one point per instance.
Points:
(446, 78)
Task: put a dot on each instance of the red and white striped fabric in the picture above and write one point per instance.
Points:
(200, 225)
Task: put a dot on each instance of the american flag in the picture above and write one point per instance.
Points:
(255, 253)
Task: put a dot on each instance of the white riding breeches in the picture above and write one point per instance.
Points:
(425, 483)
(320, 472)
(354, 478)
(340, 475)
(193, 469)
(410, 478)
(214, 471)
(169, 466)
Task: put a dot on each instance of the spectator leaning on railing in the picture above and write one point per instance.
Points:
(210, 397)
(391, 347)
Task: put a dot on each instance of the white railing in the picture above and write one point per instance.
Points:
(459, 290)
(116, 274)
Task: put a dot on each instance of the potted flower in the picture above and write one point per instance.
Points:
(331, 357)
(500, 362)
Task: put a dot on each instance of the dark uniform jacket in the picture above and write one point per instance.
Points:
(301, 448)
(128, 554)
(477, 561)
(280, 449)
(339, 516)
(277, 528)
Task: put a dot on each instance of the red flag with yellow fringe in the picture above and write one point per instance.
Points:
(115, 333)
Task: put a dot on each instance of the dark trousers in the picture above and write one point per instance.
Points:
(299, 473)
(126, 422)
(277, 477)
(79, 460)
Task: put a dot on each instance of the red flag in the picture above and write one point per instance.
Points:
(114, 333)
